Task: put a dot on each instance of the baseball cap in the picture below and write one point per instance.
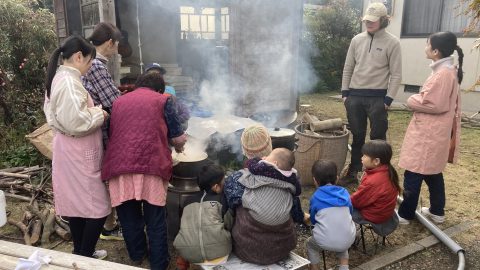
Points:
(375, 11)
(156, 66)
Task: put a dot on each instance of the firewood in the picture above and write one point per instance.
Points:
(62, 224)
(48, 221)
(5, 184)
(48, 227)
(13, 169)
(23, 228)
(17, 175)
(27, 215)
(36, 230)
(23, 198)
(32, 170)
(64, 234)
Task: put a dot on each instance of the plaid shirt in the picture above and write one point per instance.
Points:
(100, 85)
(102, 89)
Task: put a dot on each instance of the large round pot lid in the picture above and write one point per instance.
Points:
(281, 132)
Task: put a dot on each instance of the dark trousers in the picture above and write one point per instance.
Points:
(85, 233)
(133, 216)
(297, 212)
(412, 184)
(359, 109)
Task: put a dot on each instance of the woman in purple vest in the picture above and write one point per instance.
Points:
(138, 166)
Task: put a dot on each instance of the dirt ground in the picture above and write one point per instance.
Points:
(462, 188)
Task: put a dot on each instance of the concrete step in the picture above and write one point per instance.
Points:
(169, 65)
(178, 79)
(172, 71)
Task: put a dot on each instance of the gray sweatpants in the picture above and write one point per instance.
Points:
(313, 251)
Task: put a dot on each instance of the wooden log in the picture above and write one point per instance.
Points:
(23, 228)
(10, 262)
(17, 175)
(27, 215)
(36, 230)
(48, 227)
(61, 259)
(23, 198)
(64, 234)
(61, 223)
(326, 124)
(13, 169)
(4, 184)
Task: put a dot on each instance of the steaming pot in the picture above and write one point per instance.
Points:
(282, 137)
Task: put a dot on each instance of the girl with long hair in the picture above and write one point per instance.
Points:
(433, 135)
(80, 195)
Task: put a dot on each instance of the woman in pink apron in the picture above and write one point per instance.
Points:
(80, 195)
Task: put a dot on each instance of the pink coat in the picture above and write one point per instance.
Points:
(436, 108)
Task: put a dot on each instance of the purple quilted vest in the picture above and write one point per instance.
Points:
(138, 141)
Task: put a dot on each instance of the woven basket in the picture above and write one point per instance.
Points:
(42, 139)
(332, 145)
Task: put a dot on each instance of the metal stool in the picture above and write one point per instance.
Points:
(381, 230)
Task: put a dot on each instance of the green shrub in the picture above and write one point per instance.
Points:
(27, 34)
(329, 31)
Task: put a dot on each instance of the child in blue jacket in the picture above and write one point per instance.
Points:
(330, 213)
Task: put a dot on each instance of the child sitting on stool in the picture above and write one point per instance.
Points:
(376, 197)
(209, 239)
(330, 213)
(263, 232)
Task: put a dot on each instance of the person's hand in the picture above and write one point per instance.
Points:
(386, 107)
(105, 116)
(344, 99)
(179, 143)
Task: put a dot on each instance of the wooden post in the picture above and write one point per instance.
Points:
(107, 14)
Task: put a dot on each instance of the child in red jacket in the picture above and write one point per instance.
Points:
(376, 196)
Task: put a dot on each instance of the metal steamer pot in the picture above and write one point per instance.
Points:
(283, 137)
(184, 175)
(184, 185)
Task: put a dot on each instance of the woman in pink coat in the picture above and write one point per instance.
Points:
(433, 134)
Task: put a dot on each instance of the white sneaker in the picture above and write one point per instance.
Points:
(100, 254)
(436, 219)
(403, 221)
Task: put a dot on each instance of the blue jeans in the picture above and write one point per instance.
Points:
(133, 221)
(412, 184)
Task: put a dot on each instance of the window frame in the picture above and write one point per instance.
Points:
(406, 4)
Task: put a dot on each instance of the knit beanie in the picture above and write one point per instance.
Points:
(256, 141)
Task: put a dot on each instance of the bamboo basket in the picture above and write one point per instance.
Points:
(42, 139)
(330, 145)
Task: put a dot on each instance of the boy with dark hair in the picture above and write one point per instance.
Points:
(209, 239)
(330, 213)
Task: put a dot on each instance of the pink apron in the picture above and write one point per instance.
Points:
(77, 186)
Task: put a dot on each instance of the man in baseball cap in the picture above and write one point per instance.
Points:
(371, 78)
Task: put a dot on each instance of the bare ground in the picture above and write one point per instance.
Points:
(462, 188)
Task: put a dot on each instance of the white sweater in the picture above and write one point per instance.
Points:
(67, 110)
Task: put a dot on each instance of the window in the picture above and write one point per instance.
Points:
(90, 16)
(225, 22)
(411, 88)
(197, 23)
(202, 22)
(423, 17)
